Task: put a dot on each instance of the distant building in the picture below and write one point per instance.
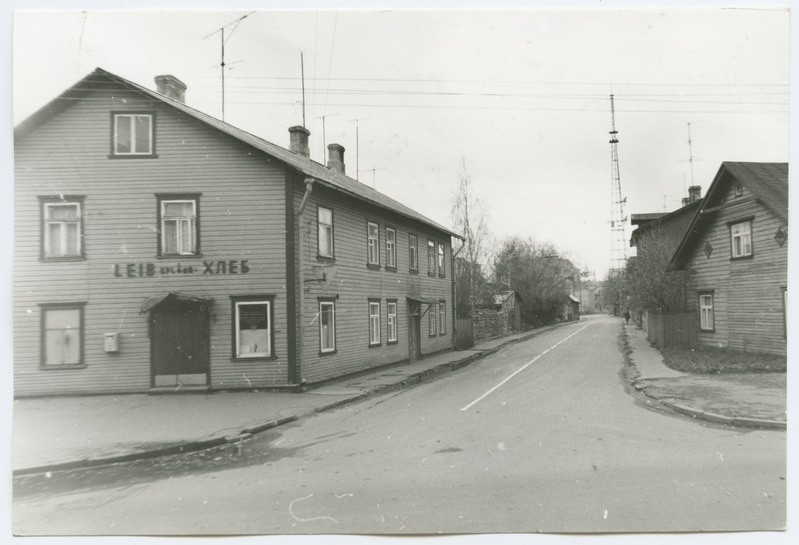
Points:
(511, 302)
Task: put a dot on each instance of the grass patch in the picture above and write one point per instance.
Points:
(712, 360)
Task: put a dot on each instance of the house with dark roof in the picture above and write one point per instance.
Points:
(158, 248)
(736, 244)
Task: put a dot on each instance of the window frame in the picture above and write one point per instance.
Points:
(44, 308)
(442, 317)
(442, 258)
(372, 245)
(391, 249)
(375, 327)
(44, 203)
(324, 301)
(712, 311)
(115, 154)
(389, 315)
(431, 257)
(413, 253)
(332, 234)
(241, 300)
(163, 198)
(432, 320)
(732, 224)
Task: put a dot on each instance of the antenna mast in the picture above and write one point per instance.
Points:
(618, 243)
(690, 154)
(221, 30)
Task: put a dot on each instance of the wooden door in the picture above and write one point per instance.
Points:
(179, 344)
(414, 331)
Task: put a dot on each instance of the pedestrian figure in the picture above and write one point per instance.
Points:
(627, 317)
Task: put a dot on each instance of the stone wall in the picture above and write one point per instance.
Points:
(488, 324)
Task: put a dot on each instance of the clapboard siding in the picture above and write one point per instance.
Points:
(352, 283)
(242, 217)
(748, 297)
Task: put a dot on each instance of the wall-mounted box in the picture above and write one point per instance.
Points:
(111, 342)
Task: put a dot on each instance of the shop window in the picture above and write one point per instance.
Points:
(252, 328)
(62, 335)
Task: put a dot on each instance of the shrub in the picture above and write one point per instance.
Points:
(710, 360)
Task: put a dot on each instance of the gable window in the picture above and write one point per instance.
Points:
(431, 258)
(327, 326)
(741, 238)
(391, 248)
(133, 134)
(179, 224)
(374, 323)
(432, 317)
(252, 328)
(442, 318)
(441, 260)
(372, 244)
(413, 253)
(62, 335)
(706, 312)
(325, 222)
(391, 311)
(62, 228)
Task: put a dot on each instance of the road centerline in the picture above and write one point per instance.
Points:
(520, 369)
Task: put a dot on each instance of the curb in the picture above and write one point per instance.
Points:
(246, 433)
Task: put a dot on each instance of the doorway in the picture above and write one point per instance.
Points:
(414, 331)
(179, 343)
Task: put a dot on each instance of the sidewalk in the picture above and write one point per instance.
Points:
(68, 432)
(756, 400)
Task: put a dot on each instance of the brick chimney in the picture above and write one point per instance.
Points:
(298, 142)
(171, 87)
(335, 158)
(694, 193)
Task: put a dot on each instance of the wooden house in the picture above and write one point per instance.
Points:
(158, 248)
(737, 245)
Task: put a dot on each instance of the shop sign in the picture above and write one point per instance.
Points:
(213, 267)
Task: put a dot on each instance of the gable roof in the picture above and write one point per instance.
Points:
(768, 182)
(678, 219)
(100, 78)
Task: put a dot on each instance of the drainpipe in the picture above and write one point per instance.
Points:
(308, 189)
(455, 295)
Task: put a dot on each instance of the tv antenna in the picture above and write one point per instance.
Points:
(372, 170)
(324, 138)
(235, 24)
(357, 145)
(618, 246)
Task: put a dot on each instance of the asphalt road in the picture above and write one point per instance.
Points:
(541, 437)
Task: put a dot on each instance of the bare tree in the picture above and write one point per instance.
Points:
(470, 219)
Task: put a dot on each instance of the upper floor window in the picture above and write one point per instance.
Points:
(133, 134)
(62, 334)
(706, 311)
(179, 224)
(391, 248)
(441, 260)
(373, 244)
(741, 234)
(431, 258)
(62, 228)
(413, 253)
(325, 221)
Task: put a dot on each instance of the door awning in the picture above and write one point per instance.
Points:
(172, 297)
(423, 301)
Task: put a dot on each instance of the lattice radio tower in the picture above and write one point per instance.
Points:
(618, 238)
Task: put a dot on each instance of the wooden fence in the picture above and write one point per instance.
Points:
(669, 329)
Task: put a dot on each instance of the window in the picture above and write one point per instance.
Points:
(741, 234)
(325, 221)
(253, 328)
(62, 335)
(441, 260)
(391, 308)
(374, 323)
(442, 318)
(413, 253)
(431, 258)
(373, 244)
(706, 312)
(179, 225)
(62, 228)
(432, 317)
(391, 248)
(133, 135)
(327, 326)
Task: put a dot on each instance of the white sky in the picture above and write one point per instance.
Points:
(521, 96)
